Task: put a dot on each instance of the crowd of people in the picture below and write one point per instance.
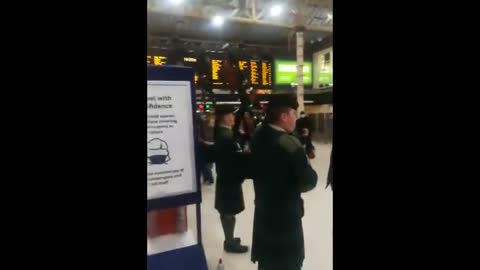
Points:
(275, 153)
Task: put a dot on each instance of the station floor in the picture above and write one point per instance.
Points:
(317, 223)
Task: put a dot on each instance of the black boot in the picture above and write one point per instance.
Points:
(231, 244)
(237, 240)
(234, 247)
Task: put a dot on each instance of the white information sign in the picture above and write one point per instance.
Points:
(170, 142)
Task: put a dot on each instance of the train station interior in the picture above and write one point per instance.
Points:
(244, 53)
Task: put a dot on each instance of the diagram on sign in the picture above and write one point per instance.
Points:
(158, 152)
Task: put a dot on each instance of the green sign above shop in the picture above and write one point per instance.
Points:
(286, 72)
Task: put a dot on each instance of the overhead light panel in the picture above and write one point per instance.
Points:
(176, 2)
(276, 10)
(218, 20)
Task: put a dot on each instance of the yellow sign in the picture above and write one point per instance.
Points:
(158, 60)
(242, 65)
(216, 67)
(254, 73)
(266, 73)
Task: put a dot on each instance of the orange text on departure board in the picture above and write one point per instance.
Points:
(159, 60)
(254, 73)
(242, 65)
(216, 66)
(266, 73)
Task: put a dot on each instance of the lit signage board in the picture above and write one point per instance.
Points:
(254, 73)
(286, 72)
(217, 70)
(259, 72)
(243, 65)
(156, 60)
(266, 73)
(159, 60)
(190, 59)
(325, 77)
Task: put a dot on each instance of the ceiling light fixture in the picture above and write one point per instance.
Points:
(217, 20)
(276, 10)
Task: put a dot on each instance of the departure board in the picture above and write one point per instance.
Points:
(255, 72)
(243, 65)
(266, 74)
(259, 73)
(156, 60)
(190, 61)
(217, 66)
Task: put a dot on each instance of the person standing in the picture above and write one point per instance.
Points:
(206, 139)
(204, 147)
(230, 164)
(330, 171)
(282, 172)
(245, 130)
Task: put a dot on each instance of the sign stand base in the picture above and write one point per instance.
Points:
(187, 258)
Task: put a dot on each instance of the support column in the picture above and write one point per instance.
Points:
(300, 29)
(300, 88)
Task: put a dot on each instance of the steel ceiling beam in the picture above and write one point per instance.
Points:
(156, 38)
(321, 3)
(198, 15)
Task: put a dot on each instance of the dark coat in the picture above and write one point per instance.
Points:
(230, 164)
(302, 123)
(330, 171)
(281, 173)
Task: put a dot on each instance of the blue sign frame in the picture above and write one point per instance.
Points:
(174, 73)
(192, 257)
